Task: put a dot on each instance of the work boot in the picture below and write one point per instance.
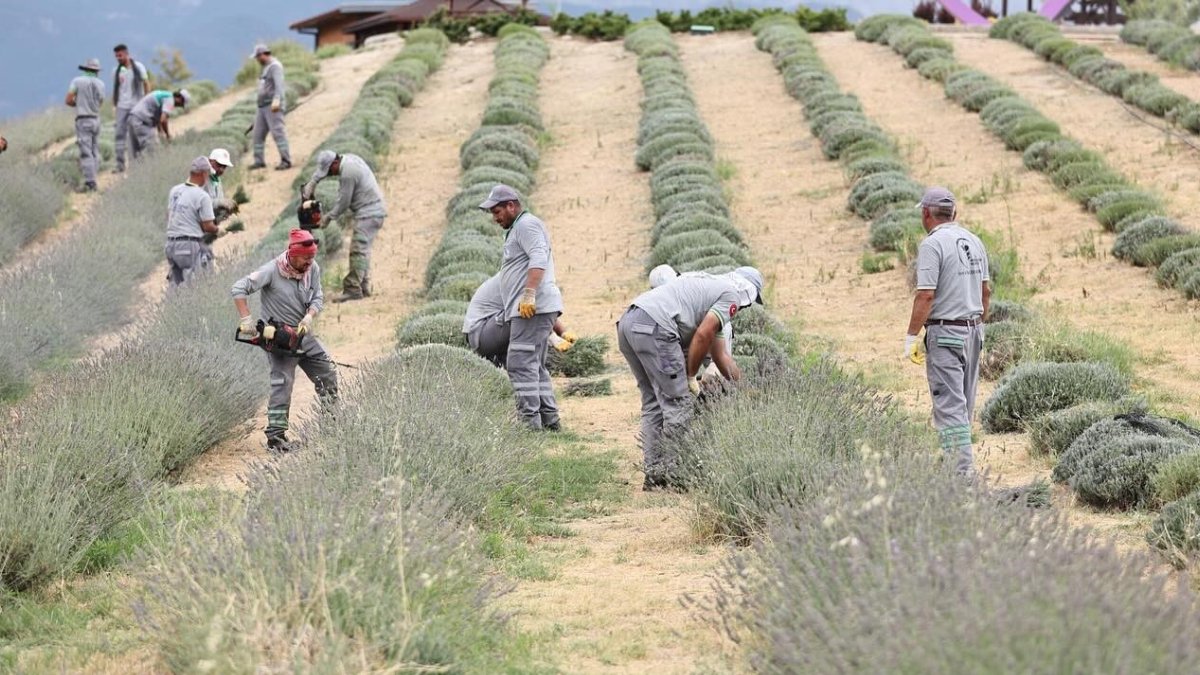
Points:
(349, 295)
(366, 288)
(653, 482)
(552, 426)
(257, 165)
(87, 187)
(280, 444)
(283, 165)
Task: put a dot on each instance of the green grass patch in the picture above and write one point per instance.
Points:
(874, 263)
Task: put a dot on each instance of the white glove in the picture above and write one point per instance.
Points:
(246, 328)
(305, 325)
(694, 386)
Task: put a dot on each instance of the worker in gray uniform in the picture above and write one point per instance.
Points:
(270, 98)
(151, 116)
(532, 303)
(223, 207)
(86, 95)
(488, 332)
(130, 83)
(953, 294)
(358, 193)
(189, 218)
(664, 336)
(290, 285)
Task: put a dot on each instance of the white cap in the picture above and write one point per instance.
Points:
(221, 156)
(187, 97)
(749, 282)
(661, 275)
(324, 161)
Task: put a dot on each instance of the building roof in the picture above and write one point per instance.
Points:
(355, 8)
(419, 10)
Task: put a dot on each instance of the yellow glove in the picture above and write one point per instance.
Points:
(305, 324)
(527, 307)
(275, 105)
(570, 337)
(912, 349)
(246, 328)
(694, 386)
(564, 345)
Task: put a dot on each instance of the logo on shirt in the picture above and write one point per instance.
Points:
(967, 256)
(732, 310)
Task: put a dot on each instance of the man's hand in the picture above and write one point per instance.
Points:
(305, 324)
(247, 329)
(276, 106)
(694, 386)
(527, 307)
(911, 351)
(570, 337)
(563, 345)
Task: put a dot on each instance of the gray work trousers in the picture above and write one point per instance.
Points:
(123, 125)
(365, 230)
(490, 340)
(655, 355)
(142, 136)
(526, 363)
(267, 121)
(952, 368)
(87, 137)
(319, 368)
(185, 259)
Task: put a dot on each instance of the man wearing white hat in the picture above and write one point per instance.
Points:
(86, 95)
(664, 336)
(151, 115)
(953, 294)
(270, 110)
(358, 193)
(223, 207)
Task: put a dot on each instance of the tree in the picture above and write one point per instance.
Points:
(171, 69)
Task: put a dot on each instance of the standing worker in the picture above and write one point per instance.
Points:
(223, 207)
(86, 95)
(130, 83)
(488, 332)
(151, 116)
(951, 303)
(270, 110)
(532, 303)
(664, 336)
(189, 218)
(291, 294)
(359, 193)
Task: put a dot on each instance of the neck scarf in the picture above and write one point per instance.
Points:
(289, 272)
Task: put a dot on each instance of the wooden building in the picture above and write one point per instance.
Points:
(329, 28)
(352, 24)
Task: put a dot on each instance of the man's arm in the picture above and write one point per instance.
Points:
(277, 80)
(205, 215)
(346, 185)
(318, 302)
(534, 278)
(145, 77)
(702, 343)
(70, 100)
(724, 360)
(987, 299)
(247, 286)
(922, 304)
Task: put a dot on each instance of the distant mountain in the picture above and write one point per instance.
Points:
(45, 40)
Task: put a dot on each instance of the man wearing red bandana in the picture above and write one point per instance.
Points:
(291, 294)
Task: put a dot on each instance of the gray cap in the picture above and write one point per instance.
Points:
(498, 195)
(200, 165)
(324, 161)
(936, 197)
(92, 65)
(755, 278)
(260, 48)
(661, 275)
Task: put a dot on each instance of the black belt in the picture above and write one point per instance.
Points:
(85, 117)
(185, 238)
(954, 322)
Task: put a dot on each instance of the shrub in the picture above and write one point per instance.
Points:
(1135, 236)
(443, 329)
(1131, 207)
(1033, 389)
(1176, 531)
(1154, 252)
(1117, 473)
(1052, 433)
(331, 51)
(675, 248)
(1172, 270)
(584, 359)
(589, 388)
(457, 286)
(1176, 478)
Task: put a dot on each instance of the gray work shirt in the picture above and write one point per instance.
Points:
(89, 95)
(126, 96)
(358, 192)
(486, 305)
(953, 263)
(270, 83)
(153, 105)
(187, 206)
(283, 299)
(526, 247)
(680, 305)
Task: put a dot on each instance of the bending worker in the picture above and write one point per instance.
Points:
(189, 218)
(270, 110)
(359, 193)
(664, 336)
(532, 303)
(952, 300)
(665, 274)
(151, 116)
(291, 294)
(488, 332)
(86, 95)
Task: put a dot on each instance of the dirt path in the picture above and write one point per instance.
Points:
(615, 606)
(419, 177)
